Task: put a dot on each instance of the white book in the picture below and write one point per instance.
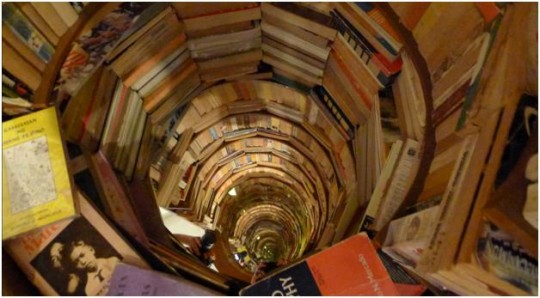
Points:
(400, 183)
(382, 183)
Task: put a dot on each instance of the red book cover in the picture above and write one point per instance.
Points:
(349, 268)
(489, 10)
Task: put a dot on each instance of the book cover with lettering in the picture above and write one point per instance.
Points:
(74, 256)
(498, 253)
(349, 268)
(129, 280)
(36, 184)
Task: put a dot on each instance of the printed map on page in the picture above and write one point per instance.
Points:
(30, 178)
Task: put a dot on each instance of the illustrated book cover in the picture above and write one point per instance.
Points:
(74, 256)
(36, 183)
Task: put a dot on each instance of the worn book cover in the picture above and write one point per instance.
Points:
(73, 256)
(129, 280)
(114, 197)
(348, 268)
(26, 32)
(408, 236)
(36, 184)
(499, 254)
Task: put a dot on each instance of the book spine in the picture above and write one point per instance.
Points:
(334, 109)
(51, 17)
(162, 65)
(147, 66)
(380, 24)
(150, 86)
(381, 187)
(365, 98)
(13, 62)
(402, 178)
(375, 24)
(376, 15)
(376, 62)
(473, 90)
(431, 259)
(26, 31)
(440, 113)
(136, 144)
(21, 89)
(361, 23)
(10, 97)
(114, 196)
(37, 20)
(66, 12)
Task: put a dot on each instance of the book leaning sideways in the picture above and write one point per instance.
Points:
(73, 257)
(349, 268)
(36, 185)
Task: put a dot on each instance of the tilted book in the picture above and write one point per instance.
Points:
(73, 256)
(348, 268)
(129, 280)
(25, 30)
(36, 184)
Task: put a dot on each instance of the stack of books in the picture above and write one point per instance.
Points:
(168, 74)
(30, 34)
(296, 42)
(224, 40)
(401, 123)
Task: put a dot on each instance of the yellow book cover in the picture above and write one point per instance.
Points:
(36, 185)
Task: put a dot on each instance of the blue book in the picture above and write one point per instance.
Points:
(26, 31)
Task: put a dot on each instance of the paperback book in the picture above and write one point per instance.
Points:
(73, 256)
(36, 183)
(499, 254)
(129, 280)
(348, 268)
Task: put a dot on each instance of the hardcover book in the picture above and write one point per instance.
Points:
(348, 268)
(36, 184)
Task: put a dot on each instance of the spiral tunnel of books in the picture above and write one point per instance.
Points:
(256, 168)
(287, 128)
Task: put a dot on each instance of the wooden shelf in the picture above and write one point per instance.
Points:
(428, 142)
(93, 10)
(506, 205)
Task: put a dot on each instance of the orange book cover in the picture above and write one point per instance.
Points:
(349, 268)
(489, 10)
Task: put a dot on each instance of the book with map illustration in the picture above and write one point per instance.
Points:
(36, 185)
